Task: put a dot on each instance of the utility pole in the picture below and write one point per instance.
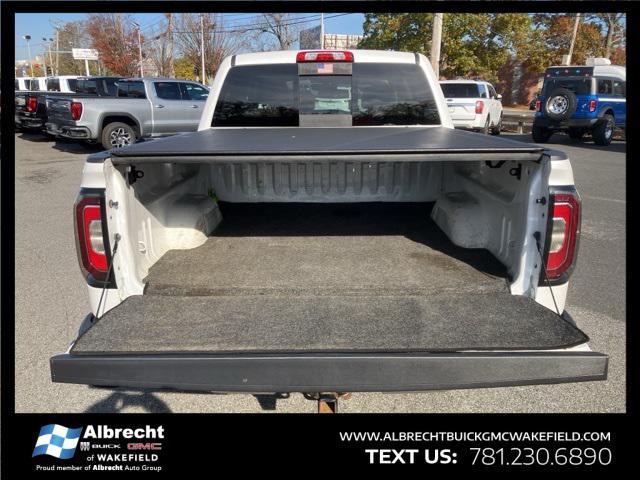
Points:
(44, 57)
(50, 58)
(28, 38)
(573, 39)
(57, 49)
(172, 72)
(322, 31)
(139, 49)
(203, 80)
(436, 40)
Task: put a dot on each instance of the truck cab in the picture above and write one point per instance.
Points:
(579, 100)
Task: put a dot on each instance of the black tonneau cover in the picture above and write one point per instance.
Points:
(404, 143)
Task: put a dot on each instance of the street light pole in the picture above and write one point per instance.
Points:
(137, 25)
(44, 57)
(322, 31)
(27, 38)
(203, 80)
(57, 49)
(140, 53)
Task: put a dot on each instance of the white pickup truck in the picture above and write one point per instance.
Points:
(327, 230)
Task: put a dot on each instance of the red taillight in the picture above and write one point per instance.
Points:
(592, 105)
(90, 237)
(324, 56)
(32, 104)
(563, 238)
(479, 106)
(538, 103)
(76, 110)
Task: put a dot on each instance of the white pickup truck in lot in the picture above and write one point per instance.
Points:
(327, 230)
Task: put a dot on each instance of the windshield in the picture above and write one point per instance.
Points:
(460, 90)
(579, 86)
(371, 94)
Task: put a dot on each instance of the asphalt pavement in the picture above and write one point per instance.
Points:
(51, 301)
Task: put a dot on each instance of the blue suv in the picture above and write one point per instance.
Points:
(580, 100)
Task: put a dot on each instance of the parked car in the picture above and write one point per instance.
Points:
(31, 106)
(473, 105)
(298, 242)
(581, 100)
(141, 108)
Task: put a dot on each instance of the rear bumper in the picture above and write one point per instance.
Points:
(476, 123)
(26, 121)
(329, 372)
(563, 124)
(67, 131)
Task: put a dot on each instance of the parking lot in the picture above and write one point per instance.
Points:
(51, 300)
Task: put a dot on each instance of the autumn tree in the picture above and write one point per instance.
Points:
(116, 39)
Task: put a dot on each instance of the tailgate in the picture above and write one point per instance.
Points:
(271, 343)
(58, 108)
(390, 143)
(461, 109)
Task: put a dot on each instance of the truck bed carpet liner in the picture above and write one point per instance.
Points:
(326, 278)
(325, 249)
(146, 324)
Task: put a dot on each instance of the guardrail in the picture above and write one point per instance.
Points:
(517, 121)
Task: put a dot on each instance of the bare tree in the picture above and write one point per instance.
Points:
(282, 27)
(614, 30)
(218, 42)
(159, 47)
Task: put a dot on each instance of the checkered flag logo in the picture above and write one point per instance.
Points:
(57, 441)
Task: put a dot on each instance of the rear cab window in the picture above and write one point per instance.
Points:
(53, 84)
(88, 87)
(579, 86)
(72, 83)
(362, 93)
(460, 90)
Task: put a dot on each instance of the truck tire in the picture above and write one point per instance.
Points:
(560, 104)
(541, 134)
(603, 131)
(497, 128)
(576, 133)
(118, 134)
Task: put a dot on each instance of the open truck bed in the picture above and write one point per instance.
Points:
(327, 278)
(321, 297)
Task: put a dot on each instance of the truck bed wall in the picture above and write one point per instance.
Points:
(174, 205)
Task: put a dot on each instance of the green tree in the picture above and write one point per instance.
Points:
(185, 68)
(472, 44)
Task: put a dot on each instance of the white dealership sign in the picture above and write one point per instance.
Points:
(84, 53)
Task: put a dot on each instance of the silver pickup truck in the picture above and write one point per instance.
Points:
(142, 107)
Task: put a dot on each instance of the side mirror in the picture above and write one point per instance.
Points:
(498, 97)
